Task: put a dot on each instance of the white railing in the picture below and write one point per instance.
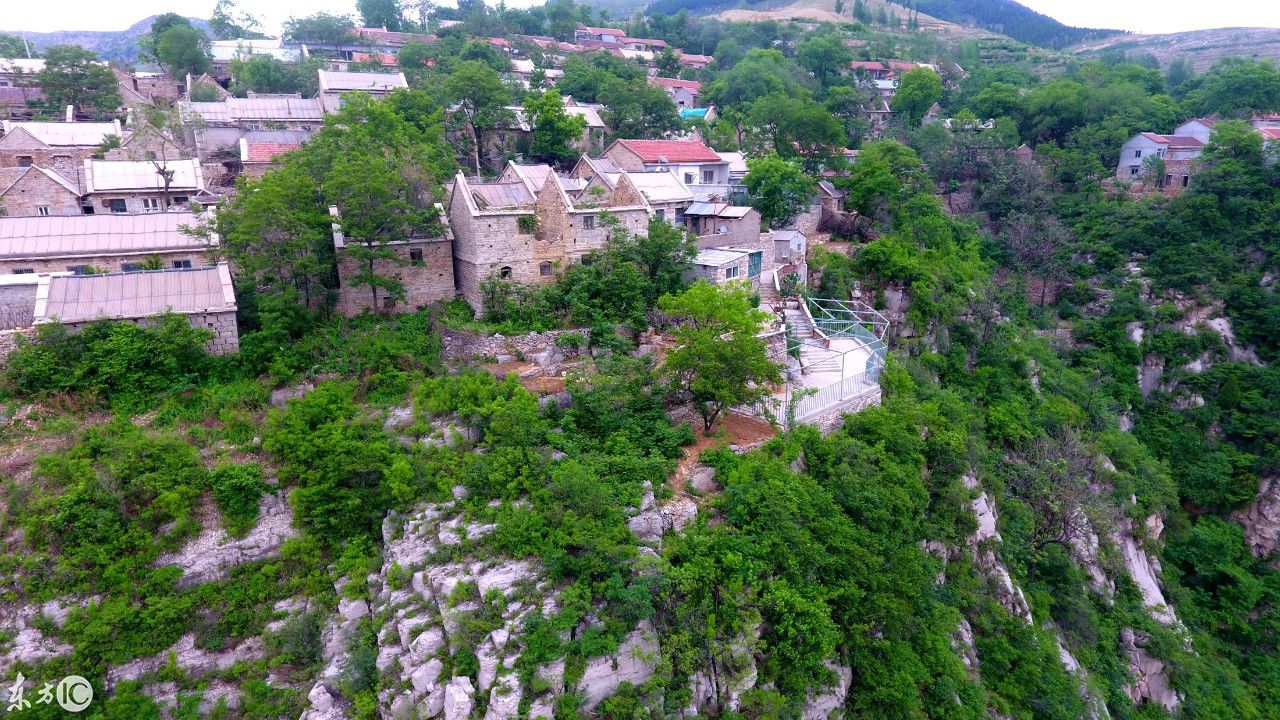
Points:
(835, 394)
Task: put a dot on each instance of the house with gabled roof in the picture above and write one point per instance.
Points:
(59, 146)
(335, 84)
(524, 227)
(138, 186)
(699, 167)
(1145, 151)
(684, 93)
(598, 34)
(38, 192)
(105, 243)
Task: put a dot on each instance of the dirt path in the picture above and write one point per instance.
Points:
(732, 430)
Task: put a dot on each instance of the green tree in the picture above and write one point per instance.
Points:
(556, 133)
(759, 73)
(779, 189)
(387, 14)
(12, 46)
(638, 109)
(482, 97)
(668, 63)
(718, 361)
(73, 76)
(320, 28)
(999, 99)
(795, 128)
(182, 50)
(229, 22)
(825, 56)
(917, 91)
(1236, 87)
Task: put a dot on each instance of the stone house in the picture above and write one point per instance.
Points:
(18, 101)
(506, 230)
(38, 192)
(146, 88)
(693, 60)
(59, 146)
(684, 93)
(668, 198)
(722, 265)
(424, 266)
(19, 72)
(598, 34)
(128, 186)
(217, 127)
(717, 224)
(830, 197)
(102, 242)
(699, 167)
(260, 152)
(335, 84)
(1177, 152)
(205, 296)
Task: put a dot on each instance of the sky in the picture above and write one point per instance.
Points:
(1145, 16)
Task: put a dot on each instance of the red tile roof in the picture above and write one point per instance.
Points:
(499, 42)
(601, 30)
(694, 58)
(268, 151)
(646, 41)
(671, 151)
(1174, 141)
(1270, 133)
(364, 57)
(672, 83)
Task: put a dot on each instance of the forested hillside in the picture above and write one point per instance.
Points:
(1011, 18)
(1066, 505)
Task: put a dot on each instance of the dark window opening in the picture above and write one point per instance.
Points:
(117, 206)
(181, 264)
(505, 272)
(415, 257)
(544, 269)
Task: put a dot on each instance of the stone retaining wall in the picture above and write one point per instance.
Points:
(9, 340)
(462, 345)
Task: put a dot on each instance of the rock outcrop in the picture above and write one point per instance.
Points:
(212, 553)
(1261, 520)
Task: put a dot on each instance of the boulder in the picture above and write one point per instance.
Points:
(320, 698)
(633, 662)
(459, 699)
(543, 707)
(678, 513)
(281, 396)
(504, 700)
(1150, 679)
(213, 552)
(819, 706)
(353, 609)
(647, 526)
(1261, 520)
(424, 678)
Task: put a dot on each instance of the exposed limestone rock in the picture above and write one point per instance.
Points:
(504, 700)
(1149, 375)
(213, 552)
(1150, 678)
(459, 699)
(1143, 573)
(634, 662)
(30, 646)
(678, 513)
(283, 395)
(323, 705)
(647, 526)
(193, 660)
(703, 479)
(962, 642)
(1009, 594)
(1261, 520)
(819, 707)
(543, 707)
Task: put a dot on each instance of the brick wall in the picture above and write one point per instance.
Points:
(113, 263)
(226, 333)
(35, 190)
(424, 284)
(17, 306)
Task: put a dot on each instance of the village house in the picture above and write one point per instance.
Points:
(103, 243)
(718, 224)
(146, 88)
(423, 266)
(696, 165)
(59, 146)
(517, 137)
(723, 265)
(37, 191)
(1146, 151)
(502, 230)
(693, 60)
(384, 38)
(598, 34)
(216, 128)
(128, 186)
(204, 296)
(335, 84)
(668, 198)
(261, 151)
(684, 93)
(17, 72)
(18, 102)
(224, 52)
(883, 69)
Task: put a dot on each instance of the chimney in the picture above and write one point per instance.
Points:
(71, 113)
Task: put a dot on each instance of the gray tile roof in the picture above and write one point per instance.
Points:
(80, 298)
(92, 235)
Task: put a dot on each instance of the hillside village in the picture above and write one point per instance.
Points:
(490, 363)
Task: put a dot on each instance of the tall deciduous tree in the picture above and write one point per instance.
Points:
(718, 362)
(795, 128)
(381, 14)
(555, 132)
(481, 97)
(229, 22)
(779, 189)
(319, 28)
(182, 50)
(918, 90)
(73, 76)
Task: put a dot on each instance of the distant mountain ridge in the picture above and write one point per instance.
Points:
(119, 45)
(1010, 18)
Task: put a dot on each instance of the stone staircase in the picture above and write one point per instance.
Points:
(813, 358)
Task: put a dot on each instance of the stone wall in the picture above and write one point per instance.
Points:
(17, 306)
(35, 190)
(133, 200)
(461, 345)
(111, 263)
(738, 233)
(66, 160)
(425, 283)
(830, 420)
(9, 340)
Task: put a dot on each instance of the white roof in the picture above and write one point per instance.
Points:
(232, 49)
(23, 65)
(737, 162)
(96, 235)
(336, 81)
(716, 257)
(109, 175)
(66, 134)
(588, 112)
(660, 186)
(524, 67)
(239, 109)
(886, 84)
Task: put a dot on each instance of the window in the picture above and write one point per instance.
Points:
(23, 271)
(1185, 179)
(1137, 153)
(43, 210)
(117, 206)
(1168, 179)
(254, 126)
(151, 154)
(181, 264)
(132, 267)
(1160, 152)
(415, 257)
(731, 272)
(1133, 171)
(688, 178)
(150, 205)
(505, 272)
(544, 269)
(708, 177)
(79, 269)
(180, 199)
(679, 217)
(24, 161)
(660, 214)
(588, 222)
